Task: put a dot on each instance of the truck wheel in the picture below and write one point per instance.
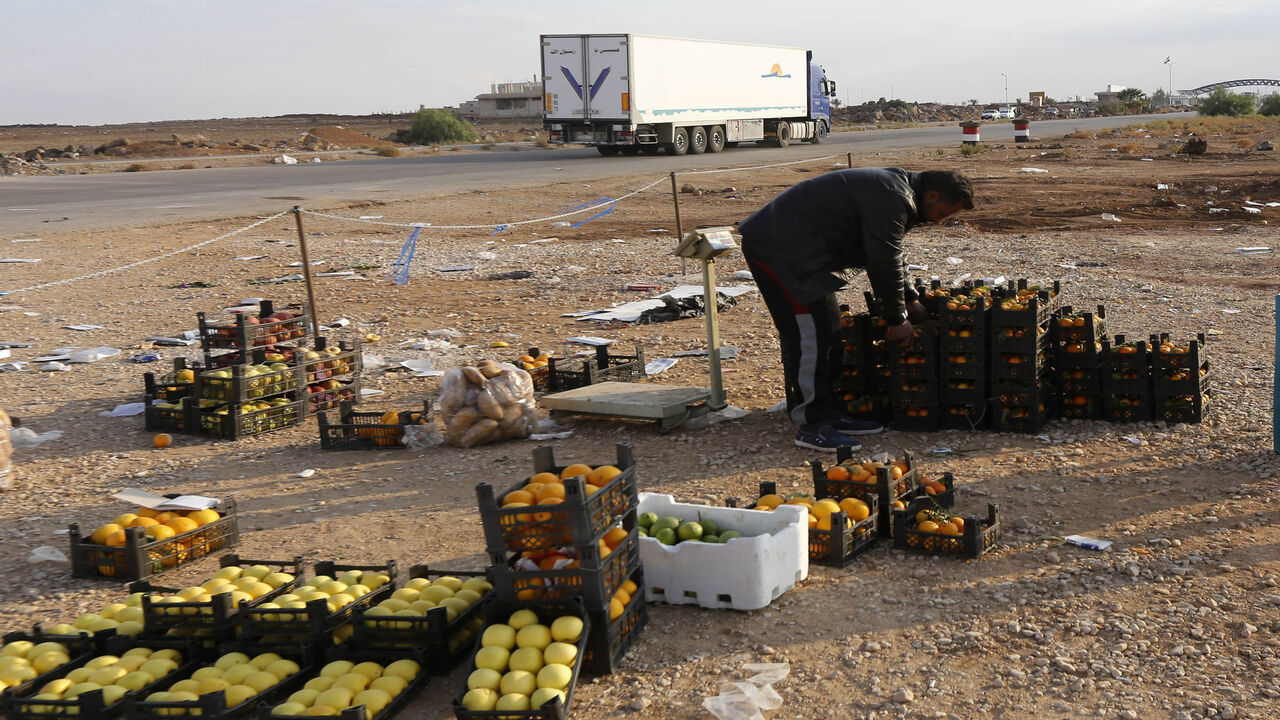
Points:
(782, 136)
(819, 133)
(608, 150)
(697, 141)
(715, 139)
(679, 144)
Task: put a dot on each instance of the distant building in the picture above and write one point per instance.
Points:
(506, 100)
(1111, 94)
(1183, 101)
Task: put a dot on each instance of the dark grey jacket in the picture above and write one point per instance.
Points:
(838, 221)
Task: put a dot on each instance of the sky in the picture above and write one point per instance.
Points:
(91, 62)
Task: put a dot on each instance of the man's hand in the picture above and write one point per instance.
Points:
(902, 334)
(916, 311)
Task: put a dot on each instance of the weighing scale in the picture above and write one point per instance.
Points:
(670, 405)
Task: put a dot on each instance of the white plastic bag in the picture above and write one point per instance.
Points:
(6, 452)
(485, 403)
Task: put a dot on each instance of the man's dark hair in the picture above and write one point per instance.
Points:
(951, 186)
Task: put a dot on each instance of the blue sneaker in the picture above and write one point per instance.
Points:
(825, 438)
(857, 426)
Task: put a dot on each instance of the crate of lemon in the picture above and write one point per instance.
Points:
(319, 610)
(839, 530)
(144, 542)
(765, 555)
(232, 686)
(28, 661)
(526, 667)
(357, 685)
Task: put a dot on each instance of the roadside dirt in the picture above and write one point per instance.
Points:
(1179, 619)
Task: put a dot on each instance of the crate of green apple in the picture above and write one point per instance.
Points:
(671, 530)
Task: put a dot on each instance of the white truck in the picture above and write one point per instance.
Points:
(629, 94)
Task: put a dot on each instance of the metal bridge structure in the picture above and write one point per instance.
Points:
(1231, 84)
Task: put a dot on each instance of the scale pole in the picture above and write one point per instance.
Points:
(717, 400)
(306, 271)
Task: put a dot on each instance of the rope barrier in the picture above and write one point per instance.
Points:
(757, 167)
(150, 260)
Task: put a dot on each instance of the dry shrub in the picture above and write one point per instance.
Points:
(1129, 148)
(386, 151)
(1079, 135)
(134, 167)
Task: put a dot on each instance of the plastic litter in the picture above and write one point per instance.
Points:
(1110, 217)
(19, 260)
(82, 328)
(93, 354)
(46, 553)
(955, 261)
(125, 410)
(1260, 250)
(307, 473)
(286, 160)
(486, 255)
(25, 438)
(1088, 542)
(1251, 210)
(53, 366)
(661, 365)
(743, 275)
(729, 412)
(745, 700)
(551, 436)
(1035, 171)
(421, 437)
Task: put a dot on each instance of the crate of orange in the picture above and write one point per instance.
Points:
(617, 628)
(369, 430)
(1069, 326)
(537, 363)
(925, 526)
(886, 482)
(136, 545)
(558, 505)
(593, 571)
(839, 529)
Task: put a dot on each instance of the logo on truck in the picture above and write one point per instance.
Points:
(595, 86)
(776, 71)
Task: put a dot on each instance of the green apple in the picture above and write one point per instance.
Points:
(647, 519)
(690, 531)
(710, 527)
(666, 536)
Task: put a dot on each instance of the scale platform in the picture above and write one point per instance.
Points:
(670, 405)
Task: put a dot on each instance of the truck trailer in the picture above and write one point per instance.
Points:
(629, 94)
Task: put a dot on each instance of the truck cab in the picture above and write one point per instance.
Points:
(821, 90)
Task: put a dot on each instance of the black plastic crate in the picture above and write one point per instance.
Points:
(336, 360)
(1019, 339)
(235, 384)
(232, 421)
(1020, 418)
(140, 558)
(846, 539)
(885, 488)
(1183, 408)
(80, 649)
(923, 390)
(604, 368)
(1069, 326)
(92, 705)
(1129, 357)
(360, 712)
(595, 579)
(1034, 310)
(1167, 355)
(444, 642)
(173, 417)
(1079, 381)
(939, 492)
(499, 612)
(915, 417)
(1086, 355)
(1029, 393)
(611, 638)
(315, 623)
(1128, 408)
(1078, 407)
(964, 324)
(320, 399)
(979, 537)
(853, 338)
(869, 407)
(964, 390)
(214, 704)
(1019, 366)
(963, 365)
(243, 335)
(279, 352)
(1178, 382)
(582, 518)
(216, 616)
(367, 430)
(171, 386)
(963, 416)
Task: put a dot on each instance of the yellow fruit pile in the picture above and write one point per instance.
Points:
(820, 510)
(23, 660)
(420, 595)
(530, 363)
(114, 676)
(522, 665)
(239, 677)
(342, 684)
(157, 525)
(244, 583)
(546, 488)
(936, 520)
(336, 593)
(124, 617)
(623, 597)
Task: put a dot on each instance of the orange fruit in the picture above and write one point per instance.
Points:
(162, 440)
(813, 521)
(630, 586)
(898, 505)
(947, 528)
(605, 550)
(549, 562)
(769, 501)
(519, 496)
(182, 524)
(166, 516)
(838, 472)
(615, 609)
(575, 470)
(147, 512)
(116, 539)
(100, 535)
(856, 509)
(143, 522)
(544, 477)
(160, 532)
(615, 536)
(622, 596)
(824, 523)
(204, 517)
(550, 490)
(603, 474)
(959, 523)
(927, 526)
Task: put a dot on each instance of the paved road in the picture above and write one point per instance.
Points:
(31, 205)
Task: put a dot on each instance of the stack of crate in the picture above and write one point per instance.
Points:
(1180, 375)
(914, 392)
(557, 554)
(964, 321)
(864, 382)
(1078, 360)
(1126, 381)
(1021, 372)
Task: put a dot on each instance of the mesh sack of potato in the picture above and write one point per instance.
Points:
(485, 403)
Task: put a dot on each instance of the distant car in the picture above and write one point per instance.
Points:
(1051, 112)
(1008, 112)
(991, 114)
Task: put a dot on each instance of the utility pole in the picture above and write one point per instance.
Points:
(1006, 88)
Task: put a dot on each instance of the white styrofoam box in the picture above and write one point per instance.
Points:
(746, 573)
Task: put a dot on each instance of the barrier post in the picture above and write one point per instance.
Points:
(972, 134)
(1021, 130)
(849, 159)
(306, 272)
